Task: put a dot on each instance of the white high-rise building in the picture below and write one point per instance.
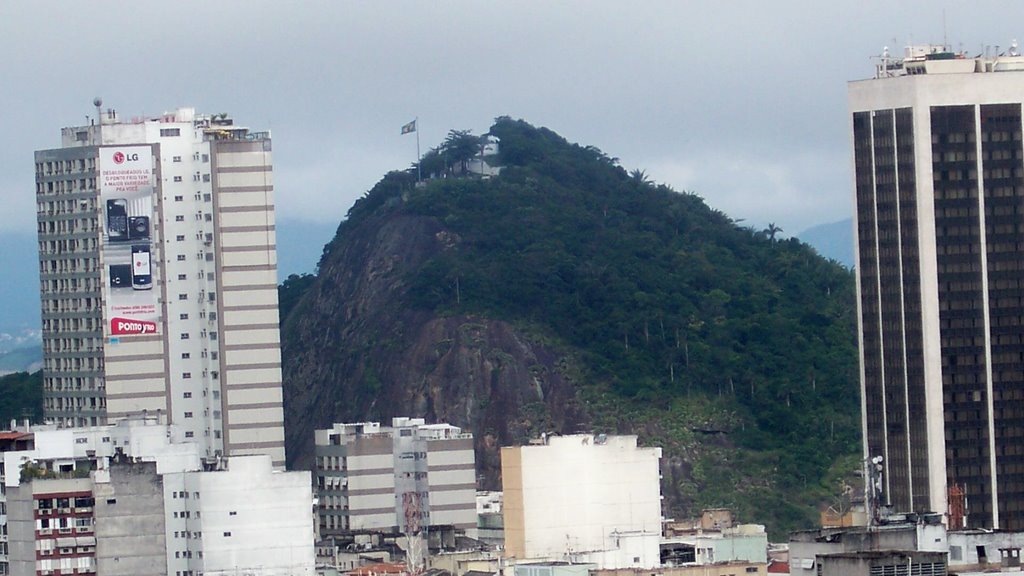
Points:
(158, 278)
(939, 191)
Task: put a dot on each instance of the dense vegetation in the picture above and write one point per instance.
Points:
(290, 291)
(21, 396)
(734, 350)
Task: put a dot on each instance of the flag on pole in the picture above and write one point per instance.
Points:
(410, 127)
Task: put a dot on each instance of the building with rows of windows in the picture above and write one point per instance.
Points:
(158, 278)
(939, 194)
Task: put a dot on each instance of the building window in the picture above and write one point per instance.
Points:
(184, 335)
(186, 374)
(179, 198)
(187, 395)
(189, 434)
(227, 534)
(177, 178)
(180, 238)
(166, 132)
(182, 276)
(183, 317)
(182, 296)
(188, 414)
(179, 218)
(176, 159)
(181, 257)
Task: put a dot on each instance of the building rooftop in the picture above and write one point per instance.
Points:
(940, 59)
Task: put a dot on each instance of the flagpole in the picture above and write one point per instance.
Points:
(419, 159)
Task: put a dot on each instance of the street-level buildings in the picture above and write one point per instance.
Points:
(939, 203)
(132, 499)
(158, 278)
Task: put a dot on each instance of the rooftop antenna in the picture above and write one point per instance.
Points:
(945, 41)
(98, 103)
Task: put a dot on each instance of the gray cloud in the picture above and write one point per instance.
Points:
(742, 102)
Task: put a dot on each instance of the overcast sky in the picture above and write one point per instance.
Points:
(743, 103)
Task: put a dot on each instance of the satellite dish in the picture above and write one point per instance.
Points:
(97, 101)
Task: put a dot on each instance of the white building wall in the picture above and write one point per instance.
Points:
(588, 501)
(254, 519)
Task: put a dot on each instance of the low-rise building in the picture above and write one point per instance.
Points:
(125, 499)
(583, 499)
(741, 543)
(982, 549)
(916, 533)
(399, 479)
(717, 569)
(883, 562)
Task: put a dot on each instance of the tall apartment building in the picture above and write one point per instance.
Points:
(399, 479)
(939, 194)
(583, 499)
(158, 277)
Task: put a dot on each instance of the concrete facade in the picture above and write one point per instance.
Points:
(806, 546)
(583, 498)
(718, 569)
(129, 521)
(373, 478)
(872, 563)
(204, 346)
(980, 548)
(50, 524)
(12, 440)
(742, 543)
(152, 506)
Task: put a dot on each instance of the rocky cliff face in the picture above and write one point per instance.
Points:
(567, 294)
(356, 352)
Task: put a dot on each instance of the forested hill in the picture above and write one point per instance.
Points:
(568, 294)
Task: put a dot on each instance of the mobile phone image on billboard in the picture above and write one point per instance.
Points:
(117, 219)
(120, 275)
(142, 275)
(138, 227)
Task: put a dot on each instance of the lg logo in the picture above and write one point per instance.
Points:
(120, 157)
